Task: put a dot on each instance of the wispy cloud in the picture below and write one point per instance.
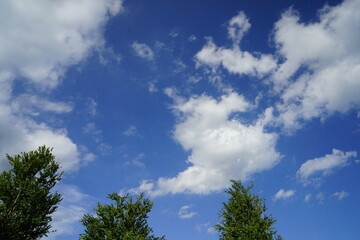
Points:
(91, 107)
(323, 166)
(131, 131)
(192, 38)
(142, 50)
(341, 195)
(185, 213)
(152, 87)
(136, 161)
(205, 227)
(308, 197)
(320, 197)
(91, 129)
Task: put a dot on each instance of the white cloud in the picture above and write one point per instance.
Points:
(142, 50)
(283, 194)
(185, 213)
(323, 165)
(221, 148)
(40, 50)
(326, 56)
(315, 69)
(66, 220)
(21, 134)
(38, 41)
(86, 155)
(341, 195)
(238, 26)
(234, 59)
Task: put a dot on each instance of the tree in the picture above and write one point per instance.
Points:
(26, 200)
(243, 216)
(124, 220)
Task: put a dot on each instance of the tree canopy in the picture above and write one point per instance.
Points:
(26, 200)
(243, 216)
(124, 220)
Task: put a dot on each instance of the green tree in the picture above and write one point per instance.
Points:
(243, 216)
(26, 200)
(124, 220)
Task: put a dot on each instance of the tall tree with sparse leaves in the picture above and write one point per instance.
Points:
(124, 220)
(243, 216)
(26, 199)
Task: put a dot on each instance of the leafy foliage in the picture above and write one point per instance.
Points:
(124, 220)
(26, 201)
(243, 216)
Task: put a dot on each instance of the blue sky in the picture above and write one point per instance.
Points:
(175, 98)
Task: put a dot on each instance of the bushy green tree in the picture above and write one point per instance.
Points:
(124, 220)
(243, 216)
(26, 200)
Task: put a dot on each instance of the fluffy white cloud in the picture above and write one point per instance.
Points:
(326, 56)
(341, 195)
(283, 194)
(323, 165)
(38, 41)
(142, 50)
(185, 213)
(234, 59)
(221, 147)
